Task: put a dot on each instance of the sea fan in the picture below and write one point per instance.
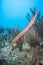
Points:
(32, 37)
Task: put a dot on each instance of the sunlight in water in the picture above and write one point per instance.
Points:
(14, 12)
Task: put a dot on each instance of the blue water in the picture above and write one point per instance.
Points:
(13, 12)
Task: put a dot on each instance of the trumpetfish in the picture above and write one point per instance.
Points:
(24, 31)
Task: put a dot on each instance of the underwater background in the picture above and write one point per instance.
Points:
(13, 12)
(19, 47)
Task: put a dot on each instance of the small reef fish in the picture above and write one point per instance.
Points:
(24, 31)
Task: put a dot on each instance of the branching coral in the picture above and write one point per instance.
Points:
(32, 37)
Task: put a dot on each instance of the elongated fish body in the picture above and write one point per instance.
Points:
(24, 31)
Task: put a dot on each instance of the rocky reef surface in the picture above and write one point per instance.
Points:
(28, 56)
